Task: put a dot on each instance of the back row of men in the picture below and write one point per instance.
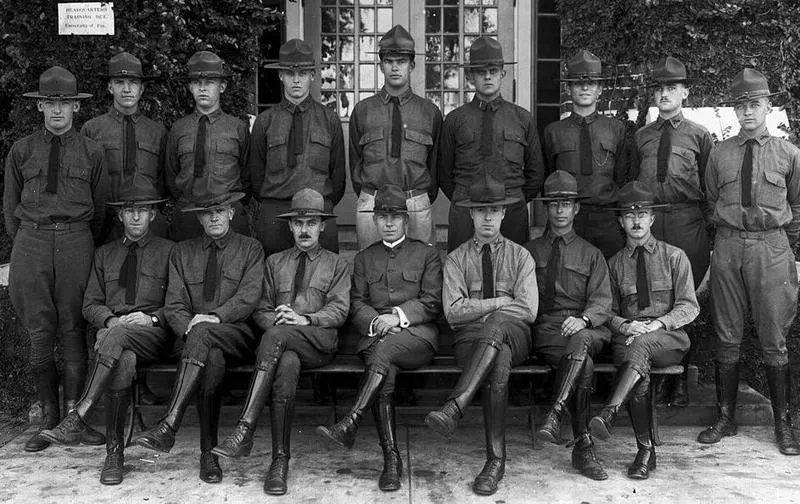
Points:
(56, 190)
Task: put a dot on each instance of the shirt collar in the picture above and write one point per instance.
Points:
(213, 116)
(761, 137)
(568, 238)
(312, 254)
(289, 106)
(579, 118)
(142, 242)
(221, 243)
(493, 245)
(675, 120)
(391, 246)
(649, 246)
(482, 104)
(119, 116)
(64, 137)
(385, 96)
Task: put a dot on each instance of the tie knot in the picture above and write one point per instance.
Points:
(127, 119)
(203, 118)
(751, 142)
(55, 139)
(640, 250)
(486, 249)
(394, 99)
(132, 244)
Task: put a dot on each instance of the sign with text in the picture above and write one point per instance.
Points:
(86, 18)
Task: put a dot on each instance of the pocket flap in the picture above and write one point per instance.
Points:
(371, 136)
(419, 137)
(412, 275)
(775, 179)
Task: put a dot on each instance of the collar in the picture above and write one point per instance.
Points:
(392, 245)
(304, 105)
(221, 243)
(589, 118)
(213, 116)
(64, 137)
(142, 242)
(675, 121)
(493, 105)
(761, 137)
(312, 254)
(649, 246)
(568, 238)
(385, 96)
(119, 116)
(493, 245)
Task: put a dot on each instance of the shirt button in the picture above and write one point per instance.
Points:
(391, 290)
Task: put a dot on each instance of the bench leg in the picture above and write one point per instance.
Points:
(133, 412)
(654, 433)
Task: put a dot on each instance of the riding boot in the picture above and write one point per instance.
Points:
(727, 378)
(116, 404)
(383, 413)
(568, 372)
(779, 380)
(645, 461)
(344, 431)
(281, 415)
(47, 382)
(444, 421)
(627, 379)
(74, 378)
(495, 397)
(662, 385)
(680, 393)
(584, 459)
(208, 408)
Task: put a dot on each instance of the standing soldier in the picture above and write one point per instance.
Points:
(54, 206)
(133, 143)
(594, 149)
(491, 137)
(753, 183)
(206, 150)
(295, 145)
(393, 140)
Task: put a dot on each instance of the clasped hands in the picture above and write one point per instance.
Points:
(287, 316)
(386, 324)
(636, 328)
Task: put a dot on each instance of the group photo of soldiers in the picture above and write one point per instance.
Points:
(245, 269)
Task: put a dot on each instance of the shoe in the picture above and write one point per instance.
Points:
(210, 471)
(779, 380)
(116, 405)
(727, 380)
(238, 444)
(487, 480)
(113, 469)
(160, 438)
(47, 384)
(383, 412)
(444, 421)
(342, 432)
(644, 462)
(281, 414)
(584, 459)
(68, 432)
(275, 484)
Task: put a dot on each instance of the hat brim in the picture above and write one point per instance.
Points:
(189, 77)
(662, 82)
(136, 202)
(639, 207)
(561, 197)
(310, 213)
(78, 96)
(593, 78)
(282, 66)
(734, 101)
(106, 76)
(478, 204)
(200, 207)
(390, 211)
(485, 64)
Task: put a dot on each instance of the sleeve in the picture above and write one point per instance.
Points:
(447, 158)
(598, 302)
(12, 191)
(534, 163)
(177, 304)
(241, 305)
(257, 158)
(622, 166)
(459, 308)
(433, 156)
(548, 149)
(356, 161)
(427, 306)
(337, 299)
(362, 313)
(95, 310)
(336, 167)
(616, 321)
(685, 307)
(264, 315)
(793, 196)
(100, 191)
(636, 157)
(172, 164)
(705, 144)
(711, 178)
(526, 292)
(244, 153)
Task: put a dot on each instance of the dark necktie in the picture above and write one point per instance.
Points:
(642, 285)
(210, 278)
(127, 275)
(295, 145)
(586, 148)
(200, 147)
(664, 151)
(297, 286)
(553, 266)
(52, 165)
(747, 174)
(487, 130)
(488, 272)
(397, 127)
(129, 167)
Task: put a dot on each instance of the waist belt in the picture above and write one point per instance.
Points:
(409, 194)
(55, 226)
(747, 235)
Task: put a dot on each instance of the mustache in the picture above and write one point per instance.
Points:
(305, 235)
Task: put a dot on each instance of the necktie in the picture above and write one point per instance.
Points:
(488, 272)
(200, 147)
(487, 131)
(664, 151)
(747, 174)
(297, 286)
(586, 148)
(130, 147)
(397, 127)
(553, 266)
(210, 277)
(295, 145)
(127, 275)
(52, 165)
(642, 285)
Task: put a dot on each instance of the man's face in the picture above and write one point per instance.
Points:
(206, 93)
(296, 83)
(58, 114)
(487, 80)
(637, 223)
(126, 93)
(669, 97)
(396, 70)
(391, 226)
(136, 220)
(561, 214)
(585, 93)
(487, 220)
(752, 114)
(216, 221)
(306, 231)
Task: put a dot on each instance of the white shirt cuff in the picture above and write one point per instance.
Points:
(402, 316)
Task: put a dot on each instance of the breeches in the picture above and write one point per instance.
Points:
(398, 351)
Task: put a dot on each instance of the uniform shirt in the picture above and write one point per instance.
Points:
(516, 157)
(514, 276)
(610, 155)
(407, 276)
(372, 167)
(151, 139)
(776, 185)
(319, 167)
(672, 298)
(82, 182)
(104, 298)
(323, 297)
(686, 168)
(582, 284)
(227, 143)
(240, 276)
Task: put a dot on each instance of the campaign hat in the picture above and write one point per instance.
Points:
(125, 65)
(560, 185)
(295, 54)
(139, 191)
(485, 191)
(307, 203)
(486, 51)
(57, 83)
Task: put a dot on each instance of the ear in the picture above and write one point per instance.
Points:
(110, 89)
(322, 226)
(223, 86)
(411, 65)
(577, 207)
(76, 106)
(40, 105)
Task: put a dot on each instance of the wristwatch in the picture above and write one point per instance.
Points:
(587, 320)
(156, 322)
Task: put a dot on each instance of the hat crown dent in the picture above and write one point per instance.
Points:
(397, 40)
(125, 64)
(485, 51)
(584, 64)
(58, 81)
(205, 64)
(669, 69)
(390, 198)
(560, 184)
(635, 195)
(749, 84)
(296, 53)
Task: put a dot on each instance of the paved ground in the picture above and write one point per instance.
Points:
(745, 468)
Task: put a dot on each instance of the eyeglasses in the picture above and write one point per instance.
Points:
(561, 205)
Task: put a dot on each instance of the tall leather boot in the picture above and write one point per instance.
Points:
(344, 431)
(727, 377)
(444, 421)
(495, 398)
(281, 414)
(584, 458)
(72, 429)
(240, 442)
(568, 372)
(208, 407)
(645, 461)
(47, 383)
(384, 415)
(680, 393)
(662, 386)
(74, 378)
(162, 436)
(116, 403)
(779, 380)
(627, 379)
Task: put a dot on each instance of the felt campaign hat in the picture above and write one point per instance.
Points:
(669, 71)
(207, 202)
(397, 41)
(205, 65)
(635, 196)
(125, 65)
(486, 51)
(485, 192)
(57, 83)
(307, 203)
(584, 66)
(140, 191)
(749, 84)
(389, 199)
(295, 54)
(560, 185)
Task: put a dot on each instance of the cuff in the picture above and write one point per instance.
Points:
(668, 325)
(402, 316)
(371, 332)
(617, 323)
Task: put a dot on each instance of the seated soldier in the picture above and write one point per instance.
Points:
(125, 300)
(489, 299)
(215, 283)
(653, 298)
(305, 300)
(394, 302)
(574, 303)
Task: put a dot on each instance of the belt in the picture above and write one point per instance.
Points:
(55, 226)
(747, 235)
(409, 194)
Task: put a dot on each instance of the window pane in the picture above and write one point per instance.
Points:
(366, 48)
(451, 49)
(346, 20)
(346, 49)
(436, 98)
(366, 76)
(433, 76)
(450, 2)
(384, 20)
(328, 98)
(433, 48)
(450, 19)
(490, 21)
(450, 77)
(328, 48)
(433, 2)
(433, 20)
(384, 2)
(327, 77)
(366, 2)
(472, 20)
(346, 103)
(345, 76)
(329, 20)
(451, 102)
(489, 2)
(549, 38)
(367, 20)
(472, 2)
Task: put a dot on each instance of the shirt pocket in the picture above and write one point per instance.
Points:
(566, 155)
(230, 281)
(607, 155)
(412, 279)
(149, 159)
(152, 285)
(576, 278)
(226, 156)
(514, 145)
(684, 163)
(194, 280)
(772, 193)
(476, 289)
(319, 151)
(377, 289)
(113, 155)
(417, 146)
(78, 185)
(464, 138)
(373, 150)
(32, 184)
(728, 185)
(317, 291)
